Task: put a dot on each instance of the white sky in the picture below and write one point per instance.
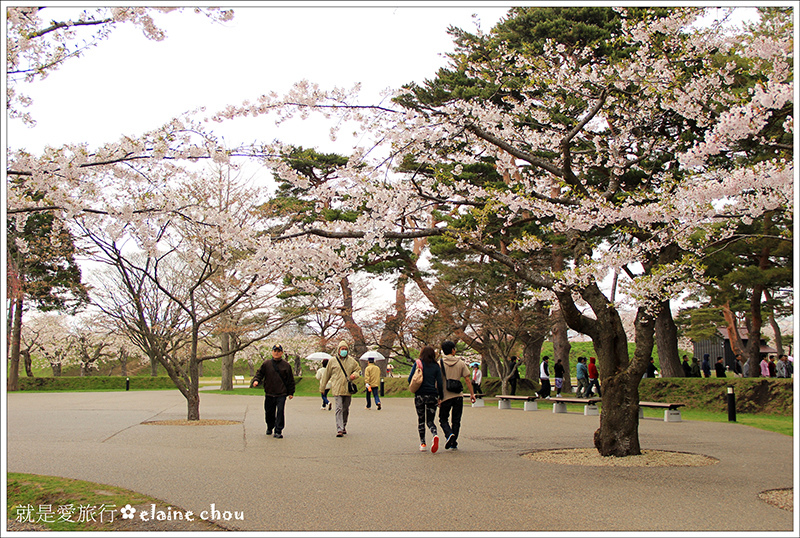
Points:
(129, 84)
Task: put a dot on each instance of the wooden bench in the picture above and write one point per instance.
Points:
(671, 411)
(238, 378)
(504, 402)
(478, 399)
(589, 404)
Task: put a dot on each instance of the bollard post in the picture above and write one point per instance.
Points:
(381, 386)
(731, 404)
(127, 383)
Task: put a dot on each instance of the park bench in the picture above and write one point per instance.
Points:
(238, 378)
(589, 404)
(671, 411)
(478, 399)
(504, 401)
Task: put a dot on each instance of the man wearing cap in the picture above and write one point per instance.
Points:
(341, 369)
(277, 378)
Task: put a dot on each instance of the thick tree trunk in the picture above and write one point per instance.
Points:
(56, 369)
(359, 342)
(561, 348)
(153, 366)
(667, 342)
(26, 356)
(393, 322)
(531, 356)
(12, 383)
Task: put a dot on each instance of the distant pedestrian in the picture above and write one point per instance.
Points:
(764, 367)
(372, 380)
(651, 369)
(781, 369)
(324, 389)
(719, 367)
(559, 371)
(594, 378)
(544, 377)
(477, 377)
(696, 367)
(428, 396)
(277, 378)
(746, 367)
(687, 368)
(737, 366)
(341, 370)
(772, 367)
(453, 402)
(582, 375)
(706, 365)
(514, 374)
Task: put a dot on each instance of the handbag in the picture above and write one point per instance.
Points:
(452, 385)
(416, 379)
(352, 388)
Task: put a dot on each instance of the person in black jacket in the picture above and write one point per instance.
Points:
(277, 378)
(428, 396)
(559, 370)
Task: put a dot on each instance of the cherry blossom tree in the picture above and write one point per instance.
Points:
(641, 152)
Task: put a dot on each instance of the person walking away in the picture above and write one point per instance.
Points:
(687, 368)
(780, 367)
(477, 377)
(719, 367)
(544, 377)
(453, 402)
(559, 371)
(324, 389)
(594, 377)
(372, 379)
(696, 367)
(341, 370)
(512, 380)
(277, 378)
(428, 396)
(582, 375)
(651, 369)
(706, 365)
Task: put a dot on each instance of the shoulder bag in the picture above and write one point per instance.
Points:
(416, 379)
(352, 388)
(452, 385)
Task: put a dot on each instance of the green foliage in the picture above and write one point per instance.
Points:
(92, 383)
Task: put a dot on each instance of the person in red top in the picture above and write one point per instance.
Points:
(594, 377)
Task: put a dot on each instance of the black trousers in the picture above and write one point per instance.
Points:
(273, 412)
(456, 405)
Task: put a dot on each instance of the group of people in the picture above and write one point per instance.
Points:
(768, 367)
(588, 378)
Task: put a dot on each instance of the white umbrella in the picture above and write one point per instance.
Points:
(372, 355)
(319, 356)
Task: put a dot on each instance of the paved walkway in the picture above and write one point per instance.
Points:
(375, 478)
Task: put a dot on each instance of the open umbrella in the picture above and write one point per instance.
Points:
(318, 356)
(372, 354)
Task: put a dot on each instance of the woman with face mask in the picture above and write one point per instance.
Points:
(341, 369)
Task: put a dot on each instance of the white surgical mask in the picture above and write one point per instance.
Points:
(343, 353)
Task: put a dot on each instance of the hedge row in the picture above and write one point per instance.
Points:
(92, 383)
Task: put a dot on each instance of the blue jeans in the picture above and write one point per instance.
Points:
(375, 392)
(594, 383)
(324, 395)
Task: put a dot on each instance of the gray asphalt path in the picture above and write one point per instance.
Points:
(375, 478)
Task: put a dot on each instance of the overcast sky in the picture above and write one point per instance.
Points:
(129, 84)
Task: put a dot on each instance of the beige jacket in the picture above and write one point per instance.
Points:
(455, 368)
(338, 379)
(372, 375)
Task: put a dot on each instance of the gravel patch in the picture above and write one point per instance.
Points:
(782, 498)
(592, 458)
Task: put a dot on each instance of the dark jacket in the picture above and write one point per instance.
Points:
(432, 382)
(276, 378)
(720, 369)
(687, 368)
(559, 370)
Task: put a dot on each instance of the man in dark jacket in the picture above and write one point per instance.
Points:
(277, 378)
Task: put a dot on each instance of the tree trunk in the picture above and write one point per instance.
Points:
(226, 383)
(123, 360)
(26, 356)
(192, 393)
(561, 348)
(56, 369)
(359, 342)
(667, 343)
(153, 366)
(776, 330)
(12, 383)
(392, 324)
